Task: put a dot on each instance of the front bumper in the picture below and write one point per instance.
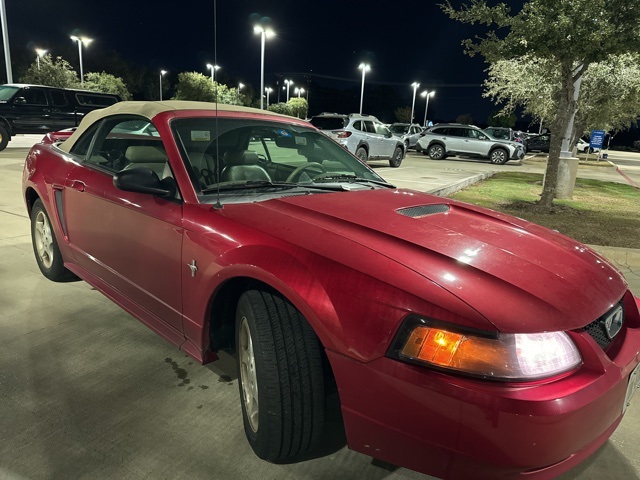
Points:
(454, 427)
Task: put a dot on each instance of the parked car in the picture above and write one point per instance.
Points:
(538, 143)
(464, 343)
(458, 139)
(541, 143)
(363, 135)
(503, 133)
(409, 133)
(40, 109)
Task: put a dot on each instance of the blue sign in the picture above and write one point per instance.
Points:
(597, 138)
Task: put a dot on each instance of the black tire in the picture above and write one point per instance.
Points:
(436, 152)
(499, 156)
(397, 157)
(362, 154)
(280, 377)
(4, 138)
(45, 246)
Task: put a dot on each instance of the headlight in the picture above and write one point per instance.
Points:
(500, 356)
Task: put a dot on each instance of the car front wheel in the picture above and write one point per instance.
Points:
(396, 159)
(45, 246)
(436, 152)
(280, 376)
(499, 156)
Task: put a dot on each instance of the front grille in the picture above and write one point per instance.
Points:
(598, 331)
(423, 210)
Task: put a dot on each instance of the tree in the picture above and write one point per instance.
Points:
(54, 73)
(298, 107)
(609, 97)
(465, 118)
(281, 108)
(199, 87)
(106, 83)
(403, 114)
(573, 34)
(501, 119)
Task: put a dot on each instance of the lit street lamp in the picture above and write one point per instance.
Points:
(365, 68)
(426, 107)
(40, 53)
(213, 69)
(240, 87)
(288, 83)
(415, 86)
(264, 34)
(268, 90)
(81, 41)
(299, 91)
(162, 72)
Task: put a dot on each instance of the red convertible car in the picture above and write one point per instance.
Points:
(464, 343)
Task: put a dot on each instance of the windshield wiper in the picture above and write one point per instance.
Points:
(345, 177)
(249, 184)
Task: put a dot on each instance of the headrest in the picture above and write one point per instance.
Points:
(145, 154)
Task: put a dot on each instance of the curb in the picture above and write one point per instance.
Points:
(459, 185)
(628, 257)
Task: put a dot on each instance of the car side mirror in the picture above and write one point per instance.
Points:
(143, 180)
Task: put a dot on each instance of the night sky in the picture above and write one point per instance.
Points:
(318, 45)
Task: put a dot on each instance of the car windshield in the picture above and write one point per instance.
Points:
(399, 128)
(7, 92)
(231, 155)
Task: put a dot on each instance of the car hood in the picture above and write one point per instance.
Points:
(517, 275)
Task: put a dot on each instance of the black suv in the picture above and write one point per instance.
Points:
(40, 109)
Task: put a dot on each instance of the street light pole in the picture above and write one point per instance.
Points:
(288, 83)
(415, 86)
(426, 107)
(39, 53)
(299, 91)
(268, 90)
(240, 87)
(81, 41)
(365, 68)
(213, 69)
(264, 33)
(162, 72)
(5, 41)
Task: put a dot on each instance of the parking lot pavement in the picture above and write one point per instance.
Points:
(86, 391)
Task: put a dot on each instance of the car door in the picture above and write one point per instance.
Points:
(475, 142)
(62, 109)
(377, 145)
(130, 241)
(32, 112)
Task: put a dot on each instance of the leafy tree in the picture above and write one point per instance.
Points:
(199, 87)
(54, 73)
(572, 34)
(609, 97)
(501, 119)
(298, 107)
(465, 118)
(403, 114)
(282, 108)
(106, 83)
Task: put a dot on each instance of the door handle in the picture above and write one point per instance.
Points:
(78, 185)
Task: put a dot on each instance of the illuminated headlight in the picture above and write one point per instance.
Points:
(500, 356)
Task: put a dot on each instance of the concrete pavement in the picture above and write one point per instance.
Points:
(86, 391)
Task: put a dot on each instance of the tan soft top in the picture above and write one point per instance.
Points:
(150, 110)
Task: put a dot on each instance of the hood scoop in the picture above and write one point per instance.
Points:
(423, 210)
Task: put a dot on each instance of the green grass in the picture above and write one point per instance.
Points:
(600, 213)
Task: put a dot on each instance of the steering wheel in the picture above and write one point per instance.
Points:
(302, 168)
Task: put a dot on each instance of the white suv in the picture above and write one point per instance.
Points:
(457, 139)
(363, 135)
